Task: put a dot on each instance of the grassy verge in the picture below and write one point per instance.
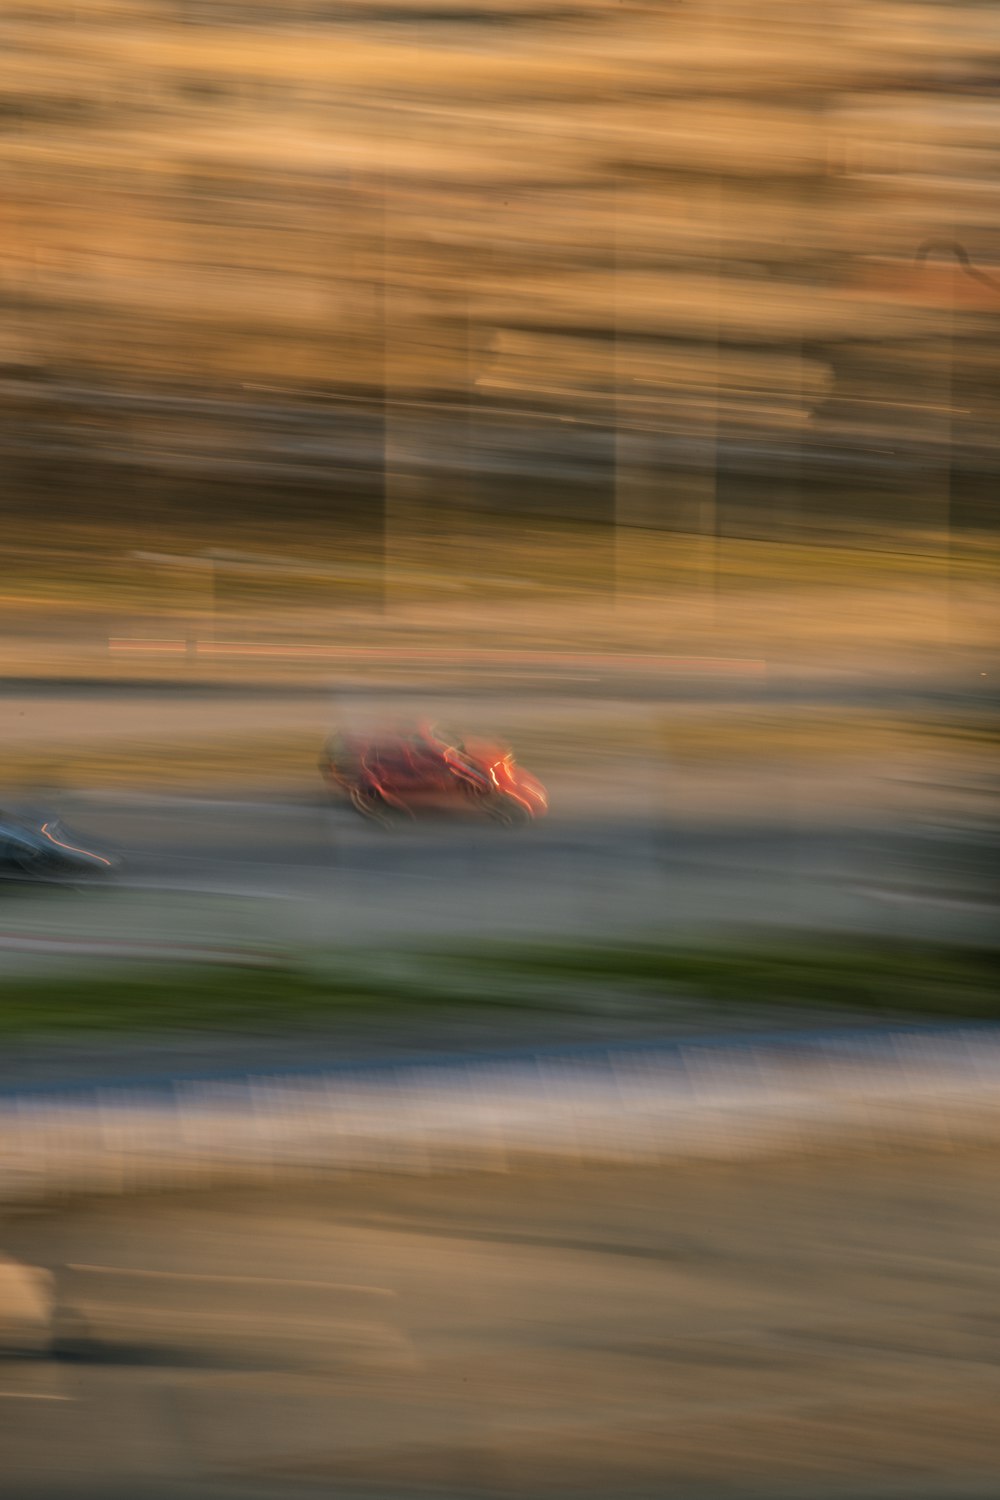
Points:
(878, 977)
(872, 975)
(190, 999)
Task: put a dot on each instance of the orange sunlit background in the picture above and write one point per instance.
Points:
(409, 270)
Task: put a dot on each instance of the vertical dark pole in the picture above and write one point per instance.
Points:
(468, 412)
(949, 463)
(953, 249)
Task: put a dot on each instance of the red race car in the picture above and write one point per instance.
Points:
(392, 776)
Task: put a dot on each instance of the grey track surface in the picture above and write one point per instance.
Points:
(268, 840)
(649, 863)
(965, 686)
(814, 1329)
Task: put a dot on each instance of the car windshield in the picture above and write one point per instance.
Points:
(447, 737)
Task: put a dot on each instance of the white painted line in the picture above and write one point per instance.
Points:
(202, 804)
(208, 1278)
(263, 648)
(121, 948)
(908, 898)
(33, 1396)
(159, 648)
(186, 888)
(539, 674)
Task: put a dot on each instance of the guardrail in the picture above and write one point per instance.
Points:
(721, 1098)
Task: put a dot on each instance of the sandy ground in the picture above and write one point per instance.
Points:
(819, 1328)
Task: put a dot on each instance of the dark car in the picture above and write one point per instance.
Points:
(42, 849)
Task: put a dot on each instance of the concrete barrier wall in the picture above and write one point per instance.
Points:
(718, 1098)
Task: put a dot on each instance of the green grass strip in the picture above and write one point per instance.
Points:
(915, 978)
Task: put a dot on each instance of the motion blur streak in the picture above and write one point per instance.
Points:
(73, 848)
(162, 646)
(500, 553)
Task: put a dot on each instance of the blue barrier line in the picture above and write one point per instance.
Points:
(599, 1057)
